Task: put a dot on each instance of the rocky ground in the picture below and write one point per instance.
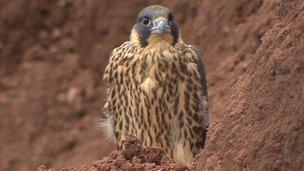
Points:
(53, 54)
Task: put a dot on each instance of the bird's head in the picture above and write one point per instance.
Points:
(155, 27)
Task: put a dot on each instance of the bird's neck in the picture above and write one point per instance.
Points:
(157, 46)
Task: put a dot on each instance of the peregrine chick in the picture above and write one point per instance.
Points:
(157, 89)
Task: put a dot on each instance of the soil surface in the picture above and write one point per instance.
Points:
(53, 54)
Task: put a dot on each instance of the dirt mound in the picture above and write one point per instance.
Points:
(134, 157)
(261, 127)
(53, 53)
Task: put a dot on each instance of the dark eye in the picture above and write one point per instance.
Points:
(170, 18)
(145, 21)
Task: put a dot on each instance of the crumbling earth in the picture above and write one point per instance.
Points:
(134, 157)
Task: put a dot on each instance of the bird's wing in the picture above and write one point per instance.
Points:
(201, 69)
(107, 120)
(107, 75)
(204, 111)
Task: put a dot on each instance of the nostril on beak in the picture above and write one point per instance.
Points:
(161, 26)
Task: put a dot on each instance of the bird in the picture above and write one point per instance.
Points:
(156, 88)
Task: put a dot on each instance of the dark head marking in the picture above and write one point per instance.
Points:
(156, 20)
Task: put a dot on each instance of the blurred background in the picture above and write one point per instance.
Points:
(53, 54)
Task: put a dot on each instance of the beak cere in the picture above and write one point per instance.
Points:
(160, 26)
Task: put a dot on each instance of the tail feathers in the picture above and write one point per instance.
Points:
(182, 154)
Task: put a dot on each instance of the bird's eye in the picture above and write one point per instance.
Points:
(146, 21)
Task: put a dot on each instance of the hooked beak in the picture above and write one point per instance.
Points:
(160, 26)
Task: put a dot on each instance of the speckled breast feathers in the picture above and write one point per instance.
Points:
(158, 97)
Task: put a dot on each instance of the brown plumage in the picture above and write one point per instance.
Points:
(157, 89)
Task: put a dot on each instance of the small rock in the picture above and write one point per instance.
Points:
(74, 95)
(56, 34)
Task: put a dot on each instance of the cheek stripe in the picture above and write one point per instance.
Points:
(175, 33)
(144, 34)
